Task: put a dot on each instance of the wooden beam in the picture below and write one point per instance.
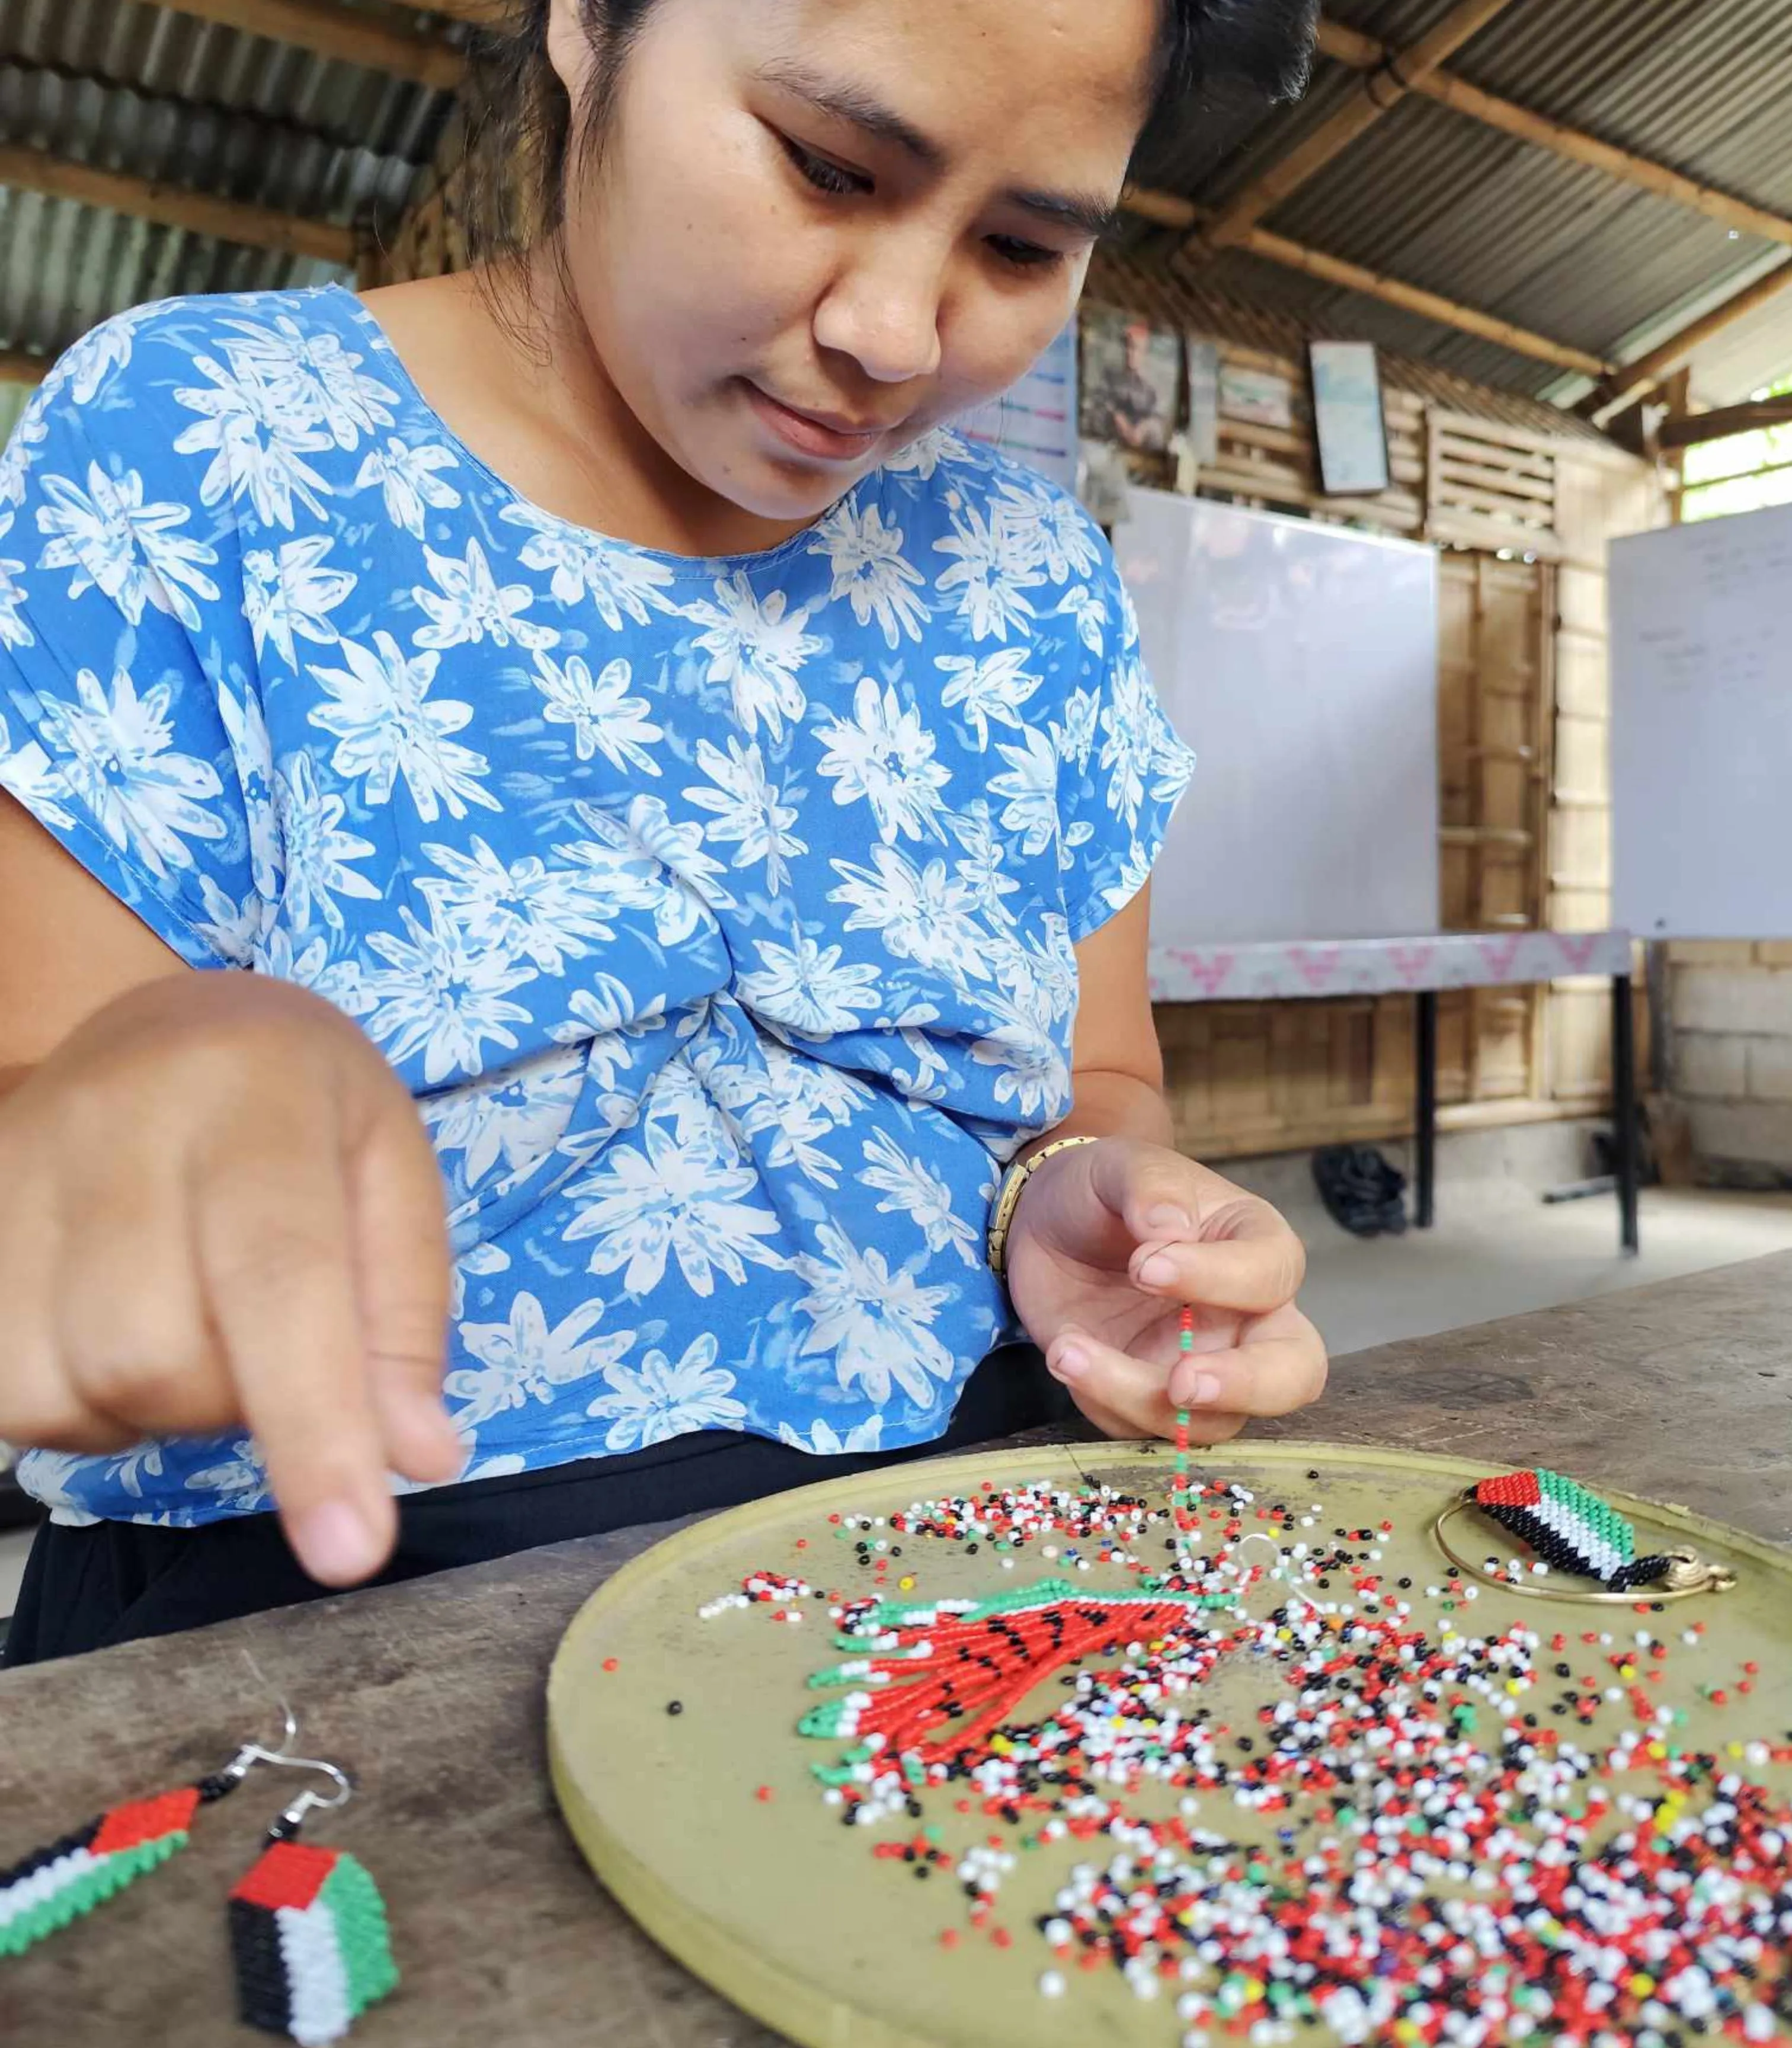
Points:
(1378, 93)
(1169, 209)
(1695, 428)
(17, 366)
(334, 32)
(1410, 298)
(1362, 53)
(174, 206)
(1649, 370)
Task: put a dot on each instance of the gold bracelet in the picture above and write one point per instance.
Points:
(1008, 1201)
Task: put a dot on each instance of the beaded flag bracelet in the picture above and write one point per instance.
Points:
(1570, 1528)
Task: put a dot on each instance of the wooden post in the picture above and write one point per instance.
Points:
(1648, 369)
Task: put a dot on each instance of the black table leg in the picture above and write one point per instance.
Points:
(1623, 1066)
(1427, 1189)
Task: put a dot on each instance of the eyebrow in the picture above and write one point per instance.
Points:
(1081, 213)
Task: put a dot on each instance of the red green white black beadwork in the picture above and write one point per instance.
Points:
(309, 1939)
(1570, 1527)
(60, 1883)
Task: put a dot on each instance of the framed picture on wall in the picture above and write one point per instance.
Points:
(1132, 381)
(1347, 418)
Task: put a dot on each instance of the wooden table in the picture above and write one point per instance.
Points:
(432, 1692)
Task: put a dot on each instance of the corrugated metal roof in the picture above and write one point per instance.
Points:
(1445, 203)
(137, 89)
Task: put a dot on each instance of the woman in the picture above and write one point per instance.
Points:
(667, 796)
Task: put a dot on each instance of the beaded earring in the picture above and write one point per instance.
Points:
(1570, 1529)
(308, 1932)
(66, 1879)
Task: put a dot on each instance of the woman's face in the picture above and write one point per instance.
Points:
(820, 227)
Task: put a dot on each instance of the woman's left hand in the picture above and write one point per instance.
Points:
(1109, 1243)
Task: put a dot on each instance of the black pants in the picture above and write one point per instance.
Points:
(118, 1581)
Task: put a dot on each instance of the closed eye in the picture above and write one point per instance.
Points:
(825, 174)
(1025, 255)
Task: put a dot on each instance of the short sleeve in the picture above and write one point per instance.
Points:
(119, 732)
(1123, 768)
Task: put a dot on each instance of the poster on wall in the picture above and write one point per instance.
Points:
(1132, 381)
(1259, 396)
(1203, 402)
(1347, 418)
(1034, 421)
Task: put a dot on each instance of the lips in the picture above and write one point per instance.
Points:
(829, 436)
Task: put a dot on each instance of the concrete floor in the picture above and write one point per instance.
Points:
(1497, 1251)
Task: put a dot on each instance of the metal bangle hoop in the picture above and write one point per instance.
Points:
(1687, 1575)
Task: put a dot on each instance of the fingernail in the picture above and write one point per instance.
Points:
(1072, 1363)
(1159, 1270)
(1204, 1392)
(335, 1544)
(1171, 1221)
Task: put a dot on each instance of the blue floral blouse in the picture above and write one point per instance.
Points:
(719, 914)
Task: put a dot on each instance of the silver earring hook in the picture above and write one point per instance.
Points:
(282, 1759)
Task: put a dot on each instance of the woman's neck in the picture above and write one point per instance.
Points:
(506, 361)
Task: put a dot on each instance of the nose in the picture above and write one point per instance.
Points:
(883, 308)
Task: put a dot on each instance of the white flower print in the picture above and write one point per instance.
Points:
(1083, 603)
(287, 595)
(411, 480)
(520, 909)
(748, 808)
(990, 686)
(603, 1018)
(1129, 740)
(253, 754)
(1053, 528)
(872, 572)
(661, 1400)
(19, 453)
(620, 581)
(469, 606)
(241, 1481)
(821, 1441)
(522, 1360)
(604, 717)
(317, 849)
(436, 998)
(909, 1190)
(337, 981)
(686, 1201)
(13, 630)
(805, 988)
(756, 649)
(994, 569)
(387, 729)
(117, 754)
(318, 379)
(1075, 737)
(1029, 790)
(31, 778)
(1032, 1070)
(127, 549)
(983, 869)
(664, 858)
(927, 915)
(97, 354)
(884, 756)
(259, 441)
(877, 1323)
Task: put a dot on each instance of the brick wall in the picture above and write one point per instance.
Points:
(1730, 1015)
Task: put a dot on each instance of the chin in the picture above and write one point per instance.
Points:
(791, 493)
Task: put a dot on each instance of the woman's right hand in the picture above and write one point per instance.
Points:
(219, 1209)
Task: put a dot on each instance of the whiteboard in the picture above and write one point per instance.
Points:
(1701, 728)
(1299, 661)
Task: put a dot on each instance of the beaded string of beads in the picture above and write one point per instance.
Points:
(1179, 1486)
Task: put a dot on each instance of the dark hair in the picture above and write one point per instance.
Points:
(521, 130)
